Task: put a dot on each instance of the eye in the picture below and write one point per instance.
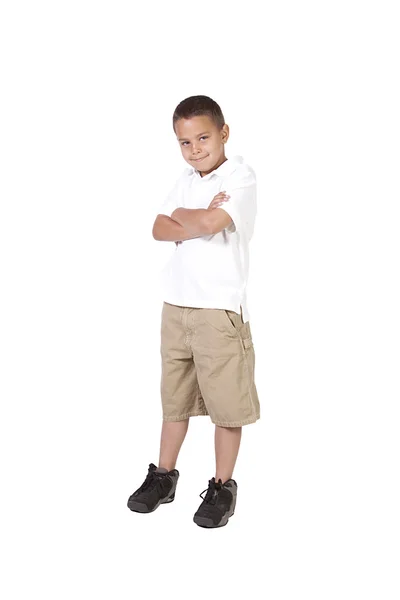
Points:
(203, 137)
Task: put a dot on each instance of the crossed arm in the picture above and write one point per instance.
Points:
(189, 223)
(180, 226)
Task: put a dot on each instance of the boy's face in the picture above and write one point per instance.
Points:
(202, 143)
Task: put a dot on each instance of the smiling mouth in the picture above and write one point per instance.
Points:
(199, 159)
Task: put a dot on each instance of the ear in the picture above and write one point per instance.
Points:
(225, 133)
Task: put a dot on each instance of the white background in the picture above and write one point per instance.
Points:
(310, 91)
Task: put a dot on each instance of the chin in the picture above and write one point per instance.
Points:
(201, 164)
(206, 164)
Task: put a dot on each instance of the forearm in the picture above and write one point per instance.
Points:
(194, 220)
(168, 230)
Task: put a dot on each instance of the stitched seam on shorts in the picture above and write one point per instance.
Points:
(250, 384)
(200, 400)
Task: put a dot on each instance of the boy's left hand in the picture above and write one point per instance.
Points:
(219, 199)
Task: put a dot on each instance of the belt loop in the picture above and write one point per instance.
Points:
(241, 313)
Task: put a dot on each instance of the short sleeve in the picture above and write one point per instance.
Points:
(241, 186)
(174, 199)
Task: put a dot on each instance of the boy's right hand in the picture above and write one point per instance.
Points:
(219, 199)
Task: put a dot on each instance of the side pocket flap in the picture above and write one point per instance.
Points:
(247, 342)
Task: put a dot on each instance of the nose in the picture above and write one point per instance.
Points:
(195, 150)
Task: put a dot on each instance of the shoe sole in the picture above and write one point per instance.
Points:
(209, 523)
(142, 508)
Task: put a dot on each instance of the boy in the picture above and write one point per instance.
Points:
(206, 344)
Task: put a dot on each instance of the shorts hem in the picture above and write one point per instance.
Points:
(252, 419)
(185, 416)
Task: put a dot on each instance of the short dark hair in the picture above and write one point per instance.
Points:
(195, 106)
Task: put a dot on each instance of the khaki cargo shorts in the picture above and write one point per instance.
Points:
(208, 365)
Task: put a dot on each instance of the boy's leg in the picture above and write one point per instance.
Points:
(224, 358)
(227, 442)
(160, 484)
(172, 436)
(220, 500)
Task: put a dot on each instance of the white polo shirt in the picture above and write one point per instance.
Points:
(212, 271)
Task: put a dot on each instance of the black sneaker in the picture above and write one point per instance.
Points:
(158, 488)
(218, 504)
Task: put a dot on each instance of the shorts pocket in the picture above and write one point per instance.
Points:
(240, 329)
(233, 321)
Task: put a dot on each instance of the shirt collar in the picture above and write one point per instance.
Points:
(226, 168)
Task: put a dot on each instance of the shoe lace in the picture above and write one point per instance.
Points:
(212, 491)
(152, 480)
